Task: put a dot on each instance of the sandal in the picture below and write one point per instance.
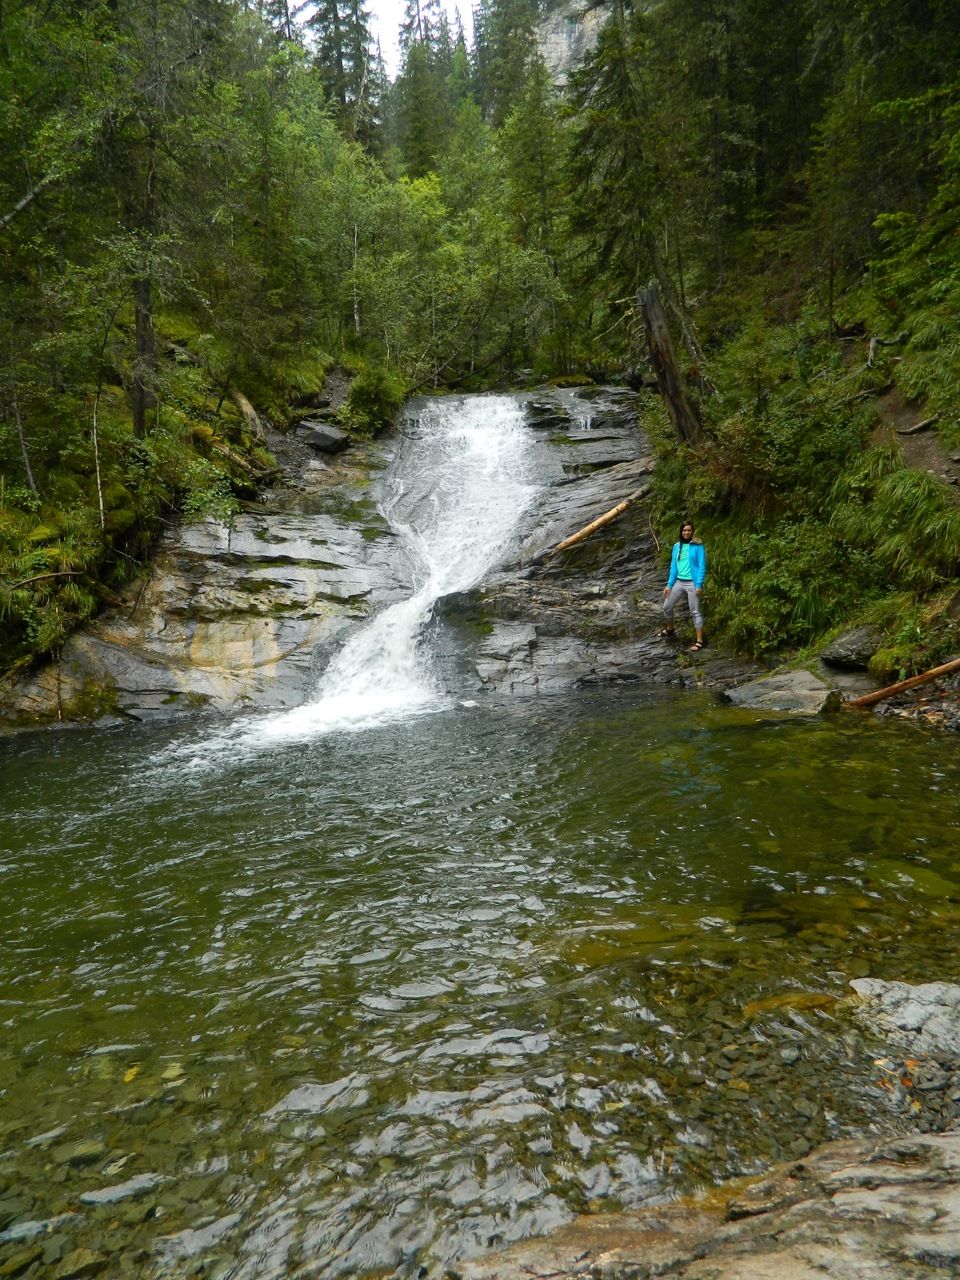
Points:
(667, 633)
(696, 646)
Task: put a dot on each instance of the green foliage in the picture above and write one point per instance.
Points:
(46, 578)
(375, 398)
(919, 633)
(207, 492)
(775, 587)
(905, 520)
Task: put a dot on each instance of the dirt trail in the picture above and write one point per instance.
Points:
(922, 450)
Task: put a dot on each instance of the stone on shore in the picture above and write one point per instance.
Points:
(853, 650)
(925, 1018)
(797, 691)
(322, 436)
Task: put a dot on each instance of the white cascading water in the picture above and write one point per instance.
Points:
(456, 500)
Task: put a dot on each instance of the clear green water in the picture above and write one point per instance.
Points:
(364, 1004)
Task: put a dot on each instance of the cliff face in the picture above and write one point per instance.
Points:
(233, 617)
(566, 34)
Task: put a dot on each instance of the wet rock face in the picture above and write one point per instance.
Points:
(590, 615)
(233, 616)
(248, 615)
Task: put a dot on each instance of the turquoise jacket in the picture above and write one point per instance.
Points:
(698, 563)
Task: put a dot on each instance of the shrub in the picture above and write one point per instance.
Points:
(376, 396)
(905, 520)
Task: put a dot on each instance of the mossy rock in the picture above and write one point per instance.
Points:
(92, 701)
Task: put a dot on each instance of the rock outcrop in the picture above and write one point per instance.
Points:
(566, 35)
(233, 616)
(852, 1209)
(589, 615)
(244, 616)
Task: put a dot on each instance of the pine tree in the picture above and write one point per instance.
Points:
(344, 57)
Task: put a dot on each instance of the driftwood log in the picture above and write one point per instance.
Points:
(879, 695)
(606, 518)
(682, 413)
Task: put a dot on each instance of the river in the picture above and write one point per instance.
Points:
(400, 975)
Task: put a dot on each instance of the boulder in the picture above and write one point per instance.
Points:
(231, 615)
(853, 650)
(924, 1018)
(791, 691)
(322, 436)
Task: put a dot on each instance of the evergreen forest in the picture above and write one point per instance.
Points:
(207, 206)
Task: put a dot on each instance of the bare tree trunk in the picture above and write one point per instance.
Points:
(687, 334)
(682, 413)
(145, 360)
(23, 202)
(21, 435)
(356, 295)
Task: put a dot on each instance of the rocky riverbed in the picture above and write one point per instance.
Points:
(851, 1210)
(855, 1209)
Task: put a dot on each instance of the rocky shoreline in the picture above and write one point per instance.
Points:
(850, 1210)
(853, 1209)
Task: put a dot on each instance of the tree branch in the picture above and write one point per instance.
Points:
(39, 577)
(24, 201)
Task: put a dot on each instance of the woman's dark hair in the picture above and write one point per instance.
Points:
(683, 525)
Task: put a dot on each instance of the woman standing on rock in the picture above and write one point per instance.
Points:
(688, 570)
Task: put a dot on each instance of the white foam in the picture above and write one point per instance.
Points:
(459, 490)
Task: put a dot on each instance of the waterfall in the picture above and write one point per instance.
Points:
(459, 487)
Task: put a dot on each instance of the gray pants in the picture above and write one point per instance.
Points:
(684, 587)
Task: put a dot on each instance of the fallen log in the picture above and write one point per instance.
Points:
(606, 518)
(879, 695)
(918, 426)
(251, 469)
(869, 393)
